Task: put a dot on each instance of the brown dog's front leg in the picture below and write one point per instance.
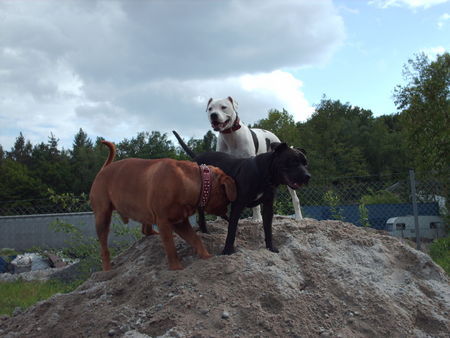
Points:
(166, 233)
(184, 229)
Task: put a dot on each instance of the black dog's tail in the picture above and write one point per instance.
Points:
(184, 145)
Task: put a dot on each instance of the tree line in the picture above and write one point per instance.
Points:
(341, 140)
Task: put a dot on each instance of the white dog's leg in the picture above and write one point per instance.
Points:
(296, 203)
(257, 214)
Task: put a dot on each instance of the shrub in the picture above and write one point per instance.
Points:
(380, 197)
(440, 253)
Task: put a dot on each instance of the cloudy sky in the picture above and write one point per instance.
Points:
(115, 68)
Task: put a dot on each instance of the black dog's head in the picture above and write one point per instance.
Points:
(290, 166)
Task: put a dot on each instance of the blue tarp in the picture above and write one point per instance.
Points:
(378, 213)
(3, 265)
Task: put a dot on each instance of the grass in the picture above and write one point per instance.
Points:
(440, 253)
(25, 293)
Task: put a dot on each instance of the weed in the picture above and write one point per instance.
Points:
(25, 293)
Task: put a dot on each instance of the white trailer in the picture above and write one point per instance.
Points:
(430, 227)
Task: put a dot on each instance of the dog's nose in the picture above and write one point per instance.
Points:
(307, 178)
(214, 116)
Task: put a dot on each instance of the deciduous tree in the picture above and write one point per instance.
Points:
(424, 103)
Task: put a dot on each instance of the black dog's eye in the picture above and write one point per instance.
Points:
(293, 163)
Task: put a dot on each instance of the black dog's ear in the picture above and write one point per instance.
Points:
(278, 146)
(302, 150)
(208, 103)
(273, 145)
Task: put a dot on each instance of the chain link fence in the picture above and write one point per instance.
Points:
(41, 206)
(364, 201)
(383, 203)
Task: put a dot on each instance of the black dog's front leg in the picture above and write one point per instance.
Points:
(236, 210)
(267, 216)
(201, 220)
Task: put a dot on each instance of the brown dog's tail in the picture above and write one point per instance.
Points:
(184, 145)
(112, 152)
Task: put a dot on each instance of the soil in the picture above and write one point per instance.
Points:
(329, 279)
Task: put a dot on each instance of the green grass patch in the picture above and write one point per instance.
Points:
(440, 253)
(24, 293)
(8, 252)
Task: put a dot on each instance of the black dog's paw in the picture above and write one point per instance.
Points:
(202, 230)
(228, 251)
(274, 249)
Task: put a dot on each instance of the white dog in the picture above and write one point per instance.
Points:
(237, 139)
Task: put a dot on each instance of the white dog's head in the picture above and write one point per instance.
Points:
(222, 113)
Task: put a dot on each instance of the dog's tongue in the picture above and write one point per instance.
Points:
(294, 185)
(216, 125)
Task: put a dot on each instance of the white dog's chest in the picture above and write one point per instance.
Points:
(258, 196)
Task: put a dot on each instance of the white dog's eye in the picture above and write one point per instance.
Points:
(210, 108)
(224, 107)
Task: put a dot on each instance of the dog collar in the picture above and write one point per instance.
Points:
(236, 125)
(205, 175)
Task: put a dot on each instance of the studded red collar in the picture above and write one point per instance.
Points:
(205, 175)
(236, 125)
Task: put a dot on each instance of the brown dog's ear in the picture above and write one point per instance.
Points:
(208, 103)
(230, 187)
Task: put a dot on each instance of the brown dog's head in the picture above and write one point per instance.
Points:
(223, 191)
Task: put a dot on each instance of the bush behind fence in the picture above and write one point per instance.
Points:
(364, 201)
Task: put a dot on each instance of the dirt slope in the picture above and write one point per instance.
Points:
(330, 278)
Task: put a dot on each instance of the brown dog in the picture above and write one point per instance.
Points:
(163, 192)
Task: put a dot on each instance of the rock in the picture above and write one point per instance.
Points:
(17, 311)
(225, 315)
(55, 261)
(134, 334)
(3, 317)
(54, 319)
(229, 268)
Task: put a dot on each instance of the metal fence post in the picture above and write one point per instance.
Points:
(412, 179)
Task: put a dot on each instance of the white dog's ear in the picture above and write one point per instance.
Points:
(234, 103)
(208, 103)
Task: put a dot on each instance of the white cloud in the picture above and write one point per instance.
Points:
(442, 19)
(407, 3)
(118, 67)
(283, 88)
(432, 52)
(181, 104)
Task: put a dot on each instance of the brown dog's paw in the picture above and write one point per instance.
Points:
(176, 267)
(206, 256)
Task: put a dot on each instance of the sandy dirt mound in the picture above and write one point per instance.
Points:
(330, 278)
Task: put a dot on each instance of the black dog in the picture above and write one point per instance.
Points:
(256, 181)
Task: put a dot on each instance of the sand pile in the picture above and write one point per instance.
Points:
(330, 278)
